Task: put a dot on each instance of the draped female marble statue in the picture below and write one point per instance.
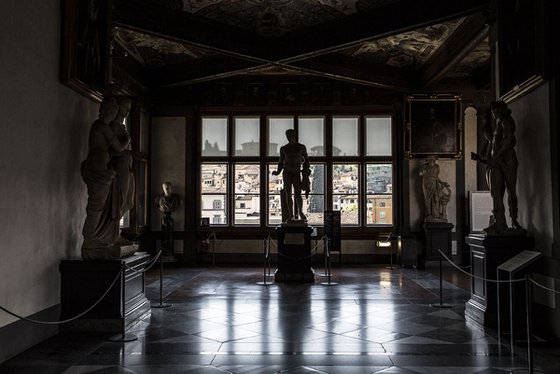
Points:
(101, 227)
(294, 163)
(436, 192)
(500, 159)
(121, 161)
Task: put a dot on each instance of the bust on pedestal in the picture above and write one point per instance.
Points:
(436, 196)
(167, 203)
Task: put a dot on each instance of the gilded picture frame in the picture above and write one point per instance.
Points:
(433, 126)
(85, 46)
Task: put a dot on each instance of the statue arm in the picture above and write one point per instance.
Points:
(281, 162)
(508, 140)
(305, 156)
(117, 143)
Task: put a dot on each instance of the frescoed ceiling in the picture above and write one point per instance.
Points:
(389, 44)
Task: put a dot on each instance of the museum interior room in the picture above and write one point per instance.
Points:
(280, 186)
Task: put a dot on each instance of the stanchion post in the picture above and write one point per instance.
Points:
(328, 264)
(265, 259)
(161, 303)
(498, 311)
(325, 255)
(529, 297)
(213, 249)
(441, 304)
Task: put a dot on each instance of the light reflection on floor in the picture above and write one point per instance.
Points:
(375, 320)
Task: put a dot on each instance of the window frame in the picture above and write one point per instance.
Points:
(327, 159)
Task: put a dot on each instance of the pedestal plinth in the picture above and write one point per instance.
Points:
(83, 282)
(294, 254)
(487, 253)
(438, 236)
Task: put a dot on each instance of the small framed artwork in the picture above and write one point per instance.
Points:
(255, 93)
(288, 93)
(85, 57)
(433, 126)
(480, 210)
(223, 94)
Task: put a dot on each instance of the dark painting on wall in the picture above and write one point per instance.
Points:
(85, 56)
(433, 126)
(521, 47)
(255, 93)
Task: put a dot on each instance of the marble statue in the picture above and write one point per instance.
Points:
(500, 158)
(167, 203)
(436, 192)
(121, 162)
(101, 227)
(294, 165)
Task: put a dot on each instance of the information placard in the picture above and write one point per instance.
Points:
(480, 209)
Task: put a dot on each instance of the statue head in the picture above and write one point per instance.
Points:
(499, 109)
(124, 103)
(108, 109)
(291, 135)
(167, 188)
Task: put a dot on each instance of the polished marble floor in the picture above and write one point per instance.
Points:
(374, 320)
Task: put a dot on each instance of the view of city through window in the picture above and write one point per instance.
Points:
(238, 188)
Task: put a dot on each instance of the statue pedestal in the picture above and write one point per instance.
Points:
(438, 236)
(487, 253)
(84, 281)
(294, 254)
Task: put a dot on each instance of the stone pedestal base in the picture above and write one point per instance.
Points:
(438, 236)
(83, 282)
(487, 253)
(294, 254)
(109, 253)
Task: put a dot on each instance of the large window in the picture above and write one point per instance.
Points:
(351, 158)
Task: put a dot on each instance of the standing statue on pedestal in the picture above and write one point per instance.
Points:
(121, 162)
(167, 203)
(436, 192)
(294, 165)
(501, 168)
(100, 172)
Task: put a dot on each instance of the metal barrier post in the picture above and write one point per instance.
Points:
(328, 264)
(529, 297)
(161, 303)
(266, 259)
(441, 305)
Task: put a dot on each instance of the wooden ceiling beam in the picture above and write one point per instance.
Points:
(470, 33)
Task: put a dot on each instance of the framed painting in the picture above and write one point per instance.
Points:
(288, 93)
(522, 47)
(85, 54)
(433, 126)
(255, 93)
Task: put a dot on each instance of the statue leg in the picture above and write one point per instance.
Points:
(510, 174)
(288, 195)
(298, 200)
(497, 189)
